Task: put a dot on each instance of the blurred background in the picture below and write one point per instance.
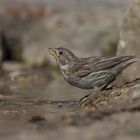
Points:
(29, 27)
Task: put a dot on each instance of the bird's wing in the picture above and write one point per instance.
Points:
(95, 64)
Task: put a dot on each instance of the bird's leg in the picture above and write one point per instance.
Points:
(105, 86)
(85, 97)
(93, 91)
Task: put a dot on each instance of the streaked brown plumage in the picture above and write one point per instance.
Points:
(90, 72)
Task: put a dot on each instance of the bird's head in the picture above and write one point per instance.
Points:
(62, 55)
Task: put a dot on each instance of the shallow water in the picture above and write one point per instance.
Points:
(32, 93)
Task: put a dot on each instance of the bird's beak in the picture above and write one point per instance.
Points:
(52, 51)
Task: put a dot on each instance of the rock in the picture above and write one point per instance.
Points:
(135, 92)
(86, 32)
(118, 98)
(16, 19)
(1, 48)
(129, 43)
(13, 66)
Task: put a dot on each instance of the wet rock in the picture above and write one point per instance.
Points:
(129, 43)
(118, 108)
(122, 96)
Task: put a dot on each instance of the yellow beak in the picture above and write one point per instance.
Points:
(52, 52)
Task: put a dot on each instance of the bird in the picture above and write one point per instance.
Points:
(96, 72)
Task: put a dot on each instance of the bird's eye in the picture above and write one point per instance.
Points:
(60, 52)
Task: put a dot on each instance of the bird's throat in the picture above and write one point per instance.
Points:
(65, 70)
(64, 67)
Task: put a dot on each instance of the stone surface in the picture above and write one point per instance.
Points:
(85, 30)
(129, 43)
(116, 118)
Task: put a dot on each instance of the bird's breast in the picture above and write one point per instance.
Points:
(64, 67)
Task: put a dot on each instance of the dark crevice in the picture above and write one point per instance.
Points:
(7, 50)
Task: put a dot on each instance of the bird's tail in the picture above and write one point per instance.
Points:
(127, 63)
